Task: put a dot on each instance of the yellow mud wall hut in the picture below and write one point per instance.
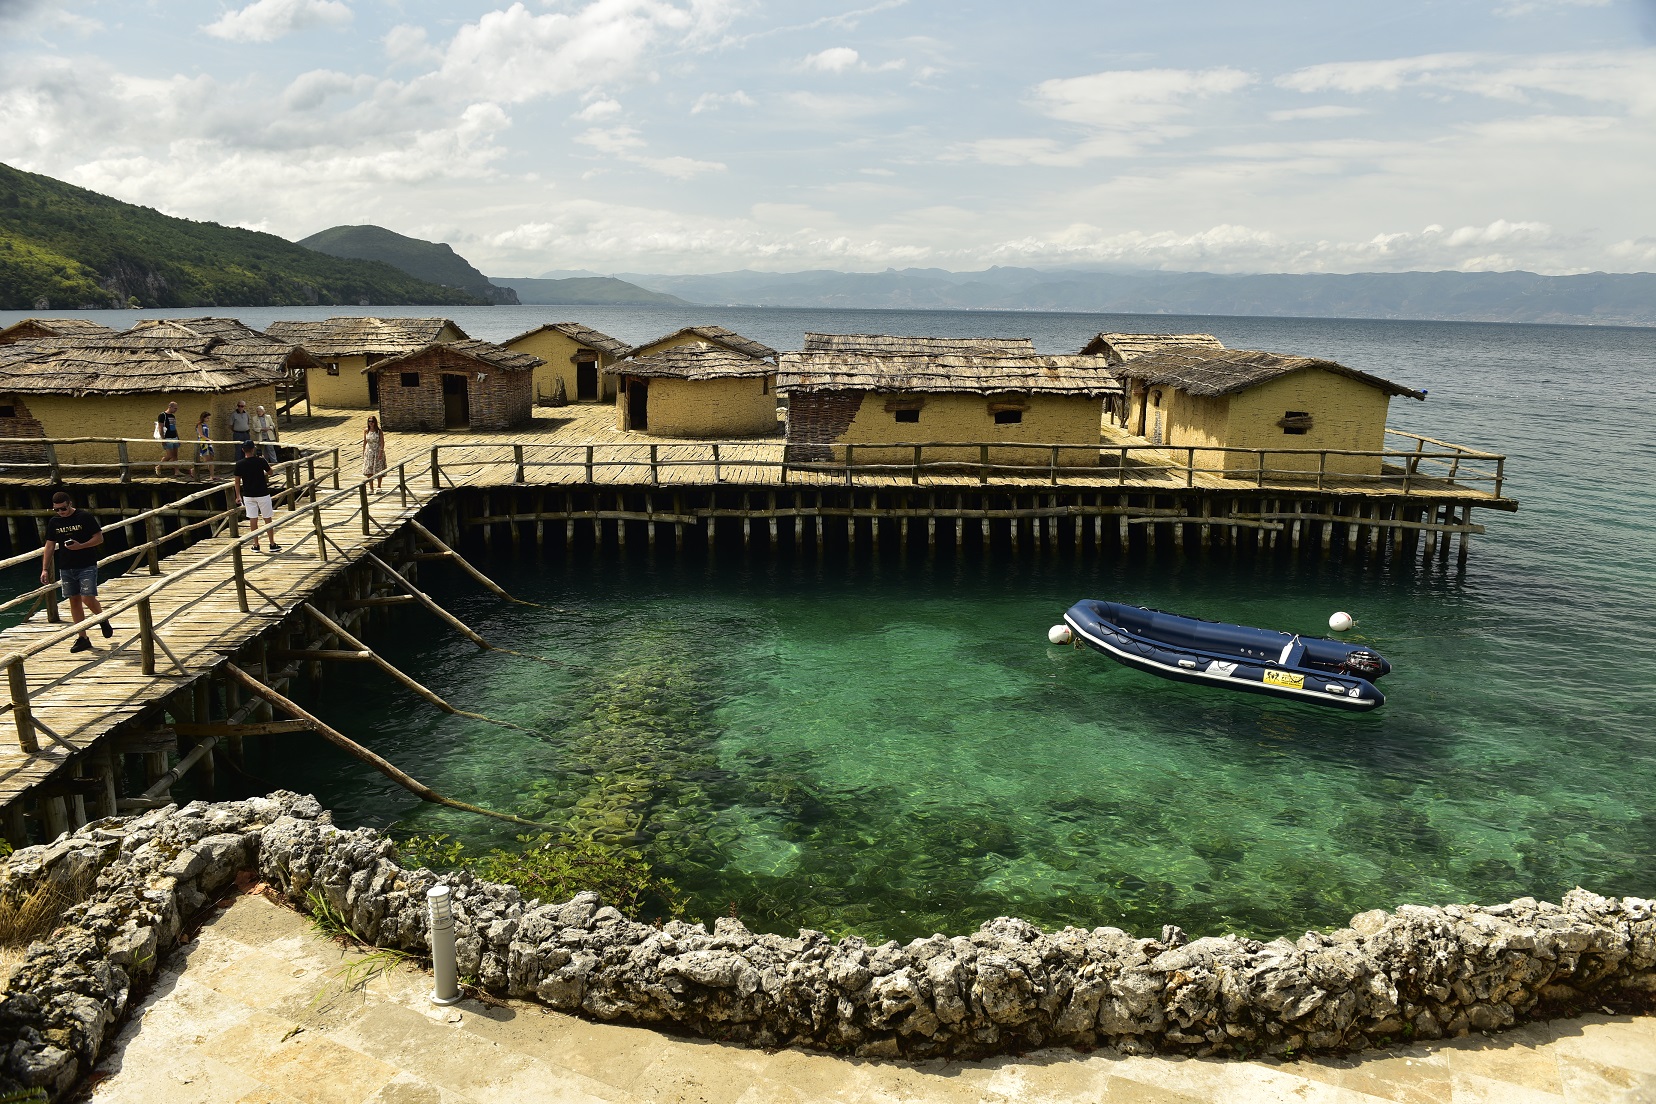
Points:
(1308, 409)
(133, 415)
(565, 357)
(339, 379)
(743, 406)
(939, 419)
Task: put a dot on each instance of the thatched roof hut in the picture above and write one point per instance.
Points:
(1229, 371)
(716, 335)
(980, 375)
(703, 389)
(1119, 348)
(886, 345)
(39, 329)
(352, 336)
(586, 336)
(346, 345)
(454, 384)
(227, 338)
(116, 370)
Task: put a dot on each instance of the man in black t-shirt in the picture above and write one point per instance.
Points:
(253, 491)
(72, 541)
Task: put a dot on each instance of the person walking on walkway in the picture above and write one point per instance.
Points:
(373, 452)
(241, 425)
(166, 431)
(253, 492)
(264, 431)
(72, 541)
(204, 445)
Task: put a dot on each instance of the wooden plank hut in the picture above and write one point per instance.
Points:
(840, 399)
(712, 335)
(116, 386)
(1119, 348)
(1241, 398)
(39, 329)
(886, 345)
(345, 346)
(700, 389)
(456, 385)
(575, 358)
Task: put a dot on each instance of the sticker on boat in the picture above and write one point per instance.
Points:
(1283, 678)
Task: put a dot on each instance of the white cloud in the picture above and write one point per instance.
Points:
(407, 44)
(1321, 111)
(601, 108)
(1525, 7)
(624, 143)
(712, 101)
(268, 20)
(835, 59)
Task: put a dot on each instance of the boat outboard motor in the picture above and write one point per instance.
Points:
(1366, 664)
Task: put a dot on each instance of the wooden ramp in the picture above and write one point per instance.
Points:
(73, 699)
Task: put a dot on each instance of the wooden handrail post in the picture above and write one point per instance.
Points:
(52, 462)
(146, 637)
(716, 472)
(362, 498)
(321, 537)
(126, 461)
(52, 613)
(517, 459)
(240, 573)
(336, 469)
(655, 471)
(983, 465)
(1190, 466)
(1261, 481)
(589, 462)
(1322, 468)
(310, 475)
(21, 713)
(152, 530)
(402, 481)
(1121, 470)
(1500, 474)
(1054, 467)
(436, 470)
(850, 451)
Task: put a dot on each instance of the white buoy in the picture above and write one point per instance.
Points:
(1058, 634)
(1342, 622)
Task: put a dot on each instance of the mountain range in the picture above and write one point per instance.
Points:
(433, 262)
(1596, 298)
(66, 247)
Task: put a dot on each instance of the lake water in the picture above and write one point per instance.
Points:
(892, 748)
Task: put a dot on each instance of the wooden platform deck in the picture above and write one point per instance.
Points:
(578, 445)
(76, 698)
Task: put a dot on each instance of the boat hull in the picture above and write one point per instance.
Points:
(1230, 657)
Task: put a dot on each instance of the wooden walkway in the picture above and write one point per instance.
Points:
(76, 698)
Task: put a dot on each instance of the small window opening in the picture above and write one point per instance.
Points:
(333, 369)
(1155, 398)
(1297, 422)
(8, 411)
(764, 385)
(1008, 417)
(410, 379)
(906, 415)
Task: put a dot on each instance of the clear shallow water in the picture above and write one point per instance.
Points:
(893, 749)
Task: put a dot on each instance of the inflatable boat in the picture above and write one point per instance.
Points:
(1236, 657)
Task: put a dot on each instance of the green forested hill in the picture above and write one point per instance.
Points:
(434, 262)
(63, 247)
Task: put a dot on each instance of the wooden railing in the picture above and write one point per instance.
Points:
(298, 490)
(1122, 464)
(17, 456)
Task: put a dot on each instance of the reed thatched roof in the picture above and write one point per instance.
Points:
(1229, 371)
(483, 352)
(585, 335)
(1122, 347)
(884, 345)
(700, 361)
(81, 370)
(718, 335)
(338, 337)
(225, 338)
(36, 329)
(1064, 375)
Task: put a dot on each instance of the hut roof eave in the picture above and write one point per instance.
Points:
(80, 371)
(730, 339)
(1216, 374)
(1055, 375)
(702, 360)
(484, 352)
(887, 345)
(593, 339)
(354, 336)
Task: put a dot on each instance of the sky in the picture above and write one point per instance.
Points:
(676, 136)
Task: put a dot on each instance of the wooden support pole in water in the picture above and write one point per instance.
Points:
(1466, 534)
(338, 739)
(426, 601)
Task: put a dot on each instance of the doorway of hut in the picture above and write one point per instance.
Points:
(456, 409)
(638, 404)
(586, 381)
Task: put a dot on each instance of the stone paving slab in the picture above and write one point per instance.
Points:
(259, 1009)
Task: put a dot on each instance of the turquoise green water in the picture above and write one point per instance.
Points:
(892, 748)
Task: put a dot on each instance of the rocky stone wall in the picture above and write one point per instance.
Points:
(1415, 973)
